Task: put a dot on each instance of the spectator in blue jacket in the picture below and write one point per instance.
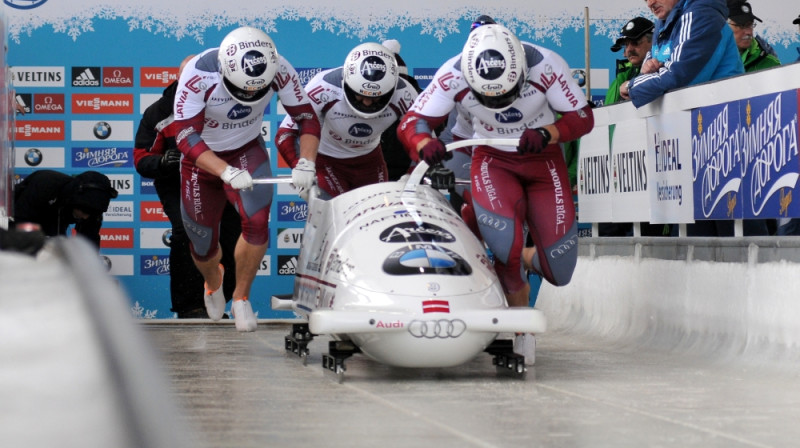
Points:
(692, 43)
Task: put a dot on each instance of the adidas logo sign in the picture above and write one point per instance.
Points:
(85, 78)
(289, 267)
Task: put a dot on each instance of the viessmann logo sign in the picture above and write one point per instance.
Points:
(157, 76)
(102, 103)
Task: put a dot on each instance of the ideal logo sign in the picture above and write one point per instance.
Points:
(152, 211)
(26, 157)
(102, 103)
(116, 238)
(157, 76)
(119, 211)
(154, 264)
(39, 130)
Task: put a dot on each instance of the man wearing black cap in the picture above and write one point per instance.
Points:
(756, 53)
(55, 200)
(636, 37)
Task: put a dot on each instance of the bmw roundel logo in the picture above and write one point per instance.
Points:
(24, 4)
(579, 76)
(106, 262)
(33, 157)
(166, 237)
(102, 130)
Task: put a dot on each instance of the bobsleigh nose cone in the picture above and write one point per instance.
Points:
(425, 344)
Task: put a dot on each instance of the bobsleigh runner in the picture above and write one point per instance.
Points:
(391, 271)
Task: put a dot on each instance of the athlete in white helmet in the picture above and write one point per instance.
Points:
(511, 89)
(219, 107)
(355, 103)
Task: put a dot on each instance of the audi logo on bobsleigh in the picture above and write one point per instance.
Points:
(414, 259)
(411, 232)
(433, 329)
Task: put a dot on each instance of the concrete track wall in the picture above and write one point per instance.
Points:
(724, 298)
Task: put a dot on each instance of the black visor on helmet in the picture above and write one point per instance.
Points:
(500, 101)
(378, 103)
(246, 96)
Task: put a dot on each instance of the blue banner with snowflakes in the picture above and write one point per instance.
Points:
(85, 70)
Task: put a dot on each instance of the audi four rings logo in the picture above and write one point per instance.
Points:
(433, 329)
(493, 222)
(563, 248)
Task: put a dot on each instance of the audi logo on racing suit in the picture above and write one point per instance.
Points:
(433, 329)
(491, 221)
(564, 247)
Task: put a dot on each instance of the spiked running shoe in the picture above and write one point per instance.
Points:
(243, 315)
(215, 300)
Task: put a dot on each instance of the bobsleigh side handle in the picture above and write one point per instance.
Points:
(273, 180)
(415, 177)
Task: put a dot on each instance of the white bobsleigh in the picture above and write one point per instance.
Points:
(391, 270)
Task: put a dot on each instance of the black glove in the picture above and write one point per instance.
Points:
(441, 178)
(170, 161)
(25, 242)
(434, 152)
(533, 141)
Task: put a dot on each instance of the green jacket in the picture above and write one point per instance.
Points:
(625, 72)
(759, 56)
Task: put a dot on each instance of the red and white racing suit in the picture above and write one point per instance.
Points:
(207, 118)
(512, 191)
(349, 154)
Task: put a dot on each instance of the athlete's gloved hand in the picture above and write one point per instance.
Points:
(441, 178)
(434, 152)
(304, 175)
(169, 161)
(533, 141)
(237, 178)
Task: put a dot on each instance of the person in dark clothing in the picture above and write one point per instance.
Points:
(397, 160)
(157, 157)
(56, 200)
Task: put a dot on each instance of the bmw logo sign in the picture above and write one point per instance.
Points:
(33, 157)
(166, 238)
(24, 4)
(102, 130)
(579, 76)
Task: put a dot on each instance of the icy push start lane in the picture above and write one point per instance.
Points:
(244, 390)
